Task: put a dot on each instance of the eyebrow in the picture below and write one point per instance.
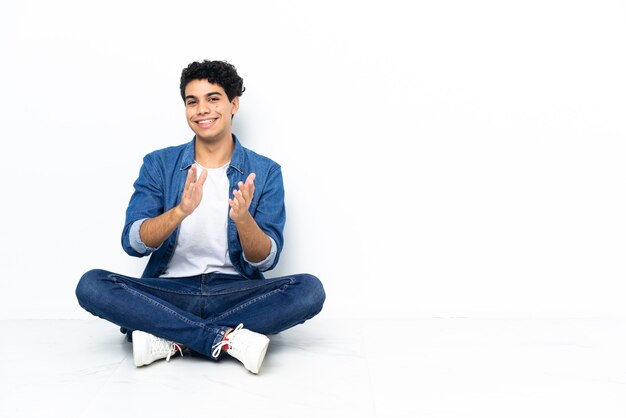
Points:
(207, 95)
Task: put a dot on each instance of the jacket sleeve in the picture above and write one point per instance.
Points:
(270, 215)
(266, 264)
(146, 202)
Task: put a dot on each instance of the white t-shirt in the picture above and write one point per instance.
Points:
(202, 245)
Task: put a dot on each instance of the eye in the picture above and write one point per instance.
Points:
(191, 102)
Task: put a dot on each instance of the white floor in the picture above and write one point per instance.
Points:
(327, 368)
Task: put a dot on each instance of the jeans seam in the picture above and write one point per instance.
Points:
(165, 308)
(247, 289)
(121, 280)
(248, 303)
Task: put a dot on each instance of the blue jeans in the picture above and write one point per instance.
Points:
(196, 311)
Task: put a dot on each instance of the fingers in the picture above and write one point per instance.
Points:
(242, 197)
(247, 188)
(191, 176)
(192, 193)
(193, 182)
(238, 199)
(202, 177)
(195, 188)
(235, 205)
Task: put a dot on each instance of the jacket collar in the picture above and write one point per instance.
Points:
(236, 161)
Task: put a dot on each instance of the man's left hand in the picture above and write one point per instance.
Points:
(240, 203)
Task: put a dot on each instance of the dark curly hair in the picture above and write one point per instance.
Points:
(216, 72)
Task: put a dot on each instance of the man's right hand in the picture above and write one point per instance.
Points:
(192, 193)
(154, 231)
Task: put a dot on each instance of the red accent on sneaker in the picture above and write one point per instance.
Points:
(225, 348)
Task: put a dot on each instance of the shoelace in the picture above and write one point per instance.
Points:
(217, 348)
(161, 345)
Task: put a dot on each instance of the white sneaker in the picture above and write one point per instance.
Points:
(246, 346)
(148, 348)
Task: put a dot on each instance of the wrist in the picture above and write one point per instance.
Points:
(179, 214)
(245, 221)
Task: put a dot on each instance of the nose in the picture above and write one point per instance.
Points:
(203, 107)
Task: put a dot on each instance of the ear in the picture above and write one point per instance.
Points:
(235, 105)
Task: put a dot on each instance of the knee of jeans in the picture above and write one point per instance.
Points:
(315, 294)
(88, 289)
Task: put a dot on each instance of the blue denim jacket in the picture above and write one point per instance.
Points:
(159, 188)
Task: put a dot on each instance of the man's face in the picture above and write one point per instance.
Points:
(209, 112)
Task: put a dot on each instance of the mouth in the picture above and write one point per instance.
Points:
(206, 123)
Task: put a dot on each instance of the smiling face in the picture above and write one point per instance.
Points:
(209, 112)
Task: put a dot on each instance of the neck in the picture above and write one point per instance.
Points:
(214, 154)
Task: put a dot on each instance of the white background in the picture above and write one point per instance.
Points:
(441, 158)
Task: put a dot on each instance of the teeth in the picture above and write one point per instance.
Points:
(206, 121)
